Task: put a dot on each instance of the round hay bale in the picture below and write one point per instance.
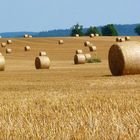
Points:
(77, 35)
(92, 35)
(8, 50)
(2, 63)
(42, 53)
(90, 45)
(9, 41)
(79, 51)
(3, 44)
(124, 58)
(122, 40)
(26, 36)
(86, 43)
(42, 62)
(30, 36)
(79, 59)
(27, 48)
(96, 34)
(61, 42)
(127, 38)
(88, 56)
(92, 48)
(118, 39)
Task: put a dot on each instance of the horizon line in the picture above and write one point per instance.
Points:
(65, 28)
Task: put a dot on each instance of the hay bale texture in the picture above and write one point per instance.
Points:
(8, 50)
(2, 63)
(92, 35)
(77, 35)
(86, 43)
(127, 38)
(27, 48)
(79, 59)
(26, 36)
(124, 58)
(90, 45)
(96, 34)
(118, 39)
(42, 62)
(42, 53)
(88, 56)
(79, 51)
(30, 36)
(61, 42)
(9, 41)
(122, 40)
(92, 48)
(3, 44)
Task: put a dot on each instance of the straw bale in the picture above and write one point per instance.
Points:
(79, 51)
(27, 48)
(2, 63)
(42, 53)
(79, 59)
(42, 62)
(124, 58)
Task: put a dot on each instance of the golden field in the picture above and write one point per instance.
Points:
(67, 102)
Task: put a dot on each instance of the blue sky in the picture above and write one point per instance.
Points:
(40, 15)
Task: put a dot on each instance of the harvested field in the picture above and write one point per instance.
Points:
(67, 101)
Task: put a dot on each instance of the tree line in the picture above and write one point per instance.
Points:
(107, 30)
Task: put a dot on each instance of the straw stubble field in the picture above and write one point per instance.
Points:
(68, 101)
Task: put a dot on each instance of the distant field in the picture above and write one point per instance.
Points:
(67, 102)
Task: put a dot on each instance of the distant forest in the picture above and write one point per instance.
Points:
(121, 29)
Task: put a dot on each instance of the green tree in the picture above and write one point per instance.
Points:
(77, 29)
(92, 30)
(137, 29)
(109, 30)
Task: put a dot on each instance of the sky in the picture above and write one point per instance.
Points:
(43, 15)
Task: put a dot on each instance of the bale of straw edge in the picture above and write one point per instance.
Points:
(61, 41)
(27, 48)
(2, 63)
(124, 58)
(42, 62)
(92, 48)
(9, 41)
(118, 39)
(96, 34)
(86, 43)
(30, 36)
(88, 56)
(3, 44)
(79, 52)
(92, 35)
(8, 50)
(26, 36)
(127, 38)
(122, 40)
(42, 53)
(79, 59)
(77, 35)
(90, 45)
